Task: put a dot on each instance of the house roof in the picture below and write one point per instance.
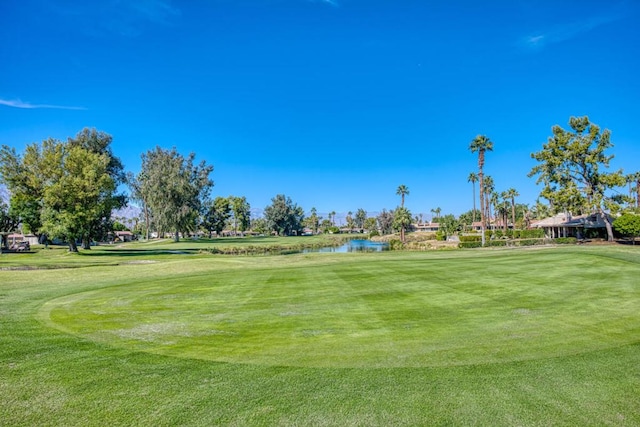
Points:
(566, 220)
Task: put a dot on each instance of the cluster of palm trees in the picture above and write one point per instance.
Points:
(488, 196)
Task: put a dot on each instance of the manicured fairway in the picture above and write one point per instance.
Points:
(497, 337)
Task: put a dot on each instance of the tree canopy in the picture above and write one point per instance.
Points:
(173, 188)
(628, 224)
(571, 167)
(61, 189)
(284, 216)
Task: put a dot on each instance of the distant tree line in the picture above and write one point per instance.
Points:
(68, 190)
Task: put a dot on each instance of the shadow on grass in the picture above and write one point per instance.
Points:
(137, 252)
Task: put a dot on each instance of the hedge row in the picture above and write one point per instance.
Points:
(518, 242)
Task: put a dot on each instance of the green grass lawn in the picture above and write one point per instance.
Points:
(135, 336)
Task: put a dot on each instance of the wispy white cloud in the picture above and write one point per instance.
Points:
(16, 103)
(160, 11)
(333, 3)
(566, 31)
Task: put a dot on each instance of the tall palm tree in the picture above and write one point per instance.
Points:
(332, 216)
(504, 208)
(634, 187)
(402, 191)
(480, 144)
(436, 211)
(488, 187)
(494, 199)
(512, 193)
(473, 178)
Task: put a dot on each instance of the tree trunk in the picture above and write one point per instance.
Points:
(86, 244)
(73, 247)
(607, 225)
(474, 202)
(176, 236)
(146, 220)
(482, 225)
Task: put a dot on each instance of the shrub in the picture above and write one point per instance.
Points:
(374, 233)
(396, 245)
(530, 242)
(472, 238)
(565, 241)
(440, 236)
(495, 243)
(470, 244)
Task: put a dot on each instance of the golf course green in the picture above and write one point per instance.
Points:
(544, 336)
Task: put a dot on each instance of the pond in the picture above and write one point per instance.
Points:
(358, 245)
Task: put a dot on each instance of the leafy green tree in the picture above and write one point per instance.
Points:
(259, 225)
(241, 213)
(25, 178)
(360, 218)
(473, 178)
(135, 185)
(174, 189)
(401, 221)
(100, 143)
(312, 221)
(469, 217)
(402, 191)
(74, 201)
(284, 216)
(449, 225)
(628, 224)
(8, 223)
(325, 225)
(350, 222)
(570, 167)
(59, 189)
(481, 144)
(370, 224)
(217, 212)
(385, 221)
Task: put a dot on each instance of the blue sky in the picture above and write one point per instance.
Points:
(332, 102)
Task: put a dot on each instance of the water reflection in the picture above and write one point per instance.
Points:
(354, 246)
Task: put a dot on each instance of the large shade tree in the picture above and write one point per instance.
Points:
(26, 181)
(174, 189)
(216, 214)
(284, 216)
(571, 168)
(481, 144)
(240, 213)
(99, 142)
(59, 189)
(385, 221)
(79, 196)
(8, 222)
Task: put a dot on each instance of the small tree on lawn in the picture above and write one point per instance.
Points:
(628, 225)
